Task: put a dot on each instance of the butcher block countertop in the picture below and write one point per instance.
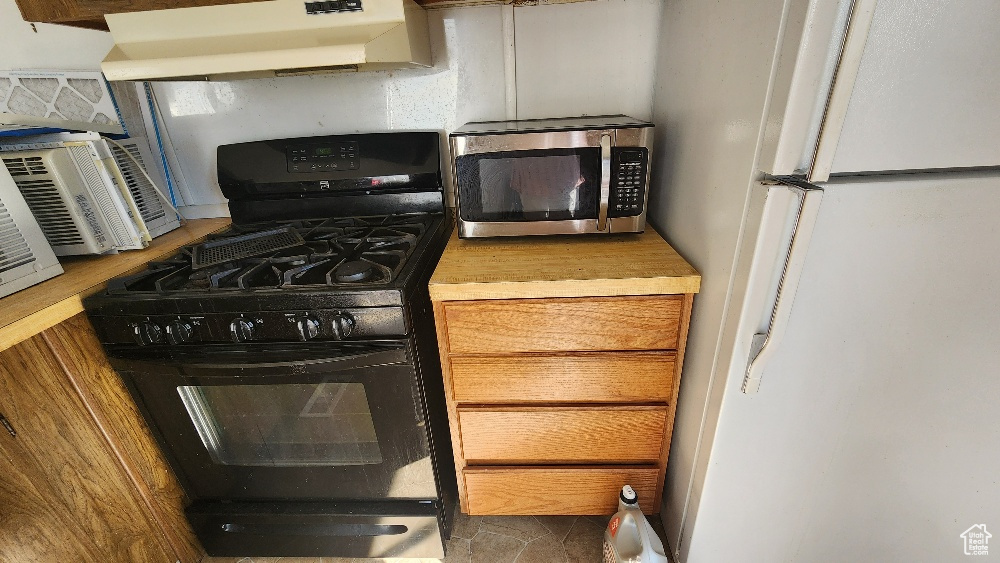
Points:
(32, 310)
(561, 266)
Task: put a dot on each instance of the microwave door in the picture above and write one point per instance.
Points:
(560, 188)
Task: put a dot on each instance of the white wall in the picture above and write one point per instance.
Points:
(586, 58)
(465, 83)
(569, 61)
(56, 47)
(593, 58)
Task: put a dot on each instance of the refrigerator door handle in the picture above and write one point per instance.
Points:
(765, 343)
(852, 48)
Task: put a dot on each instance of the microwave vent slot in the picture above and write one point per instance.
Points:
(49, 209)
(14, 250)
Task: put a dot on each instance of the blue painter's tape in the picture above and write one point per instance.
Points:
(159, 142)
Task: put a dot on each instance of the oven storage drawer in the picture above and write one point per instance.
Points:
(583, 377)
(563, 324)
(373, 529)
(561, 435)
(539, 490)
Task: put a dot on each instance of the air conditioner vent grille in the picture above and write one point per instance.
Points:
(14, 250)
(25, 166)
(49, 209)
(145, 196)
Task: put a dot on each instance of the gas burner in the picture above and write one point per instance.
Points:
(354, 271)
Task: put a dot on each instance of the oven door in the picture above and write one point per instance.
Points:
(533, 183)
(286, 422)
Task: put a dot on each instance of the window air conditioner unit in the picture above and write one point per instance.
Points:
(25, 256)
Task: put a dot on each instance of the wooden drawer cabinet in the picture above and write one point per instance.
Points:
(561, 382)
(556, 403)
(578, 434)
(581, 377)
(570, 490)
(553, 325)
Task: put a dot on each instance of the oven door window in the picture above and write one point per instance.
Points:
(535, 185)
(288, 425)
(310, 421)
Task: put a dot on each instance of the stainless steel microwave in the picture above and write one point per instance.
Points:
(551, 176)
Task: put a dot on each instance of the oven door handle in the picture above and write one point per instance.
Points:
(196, 366)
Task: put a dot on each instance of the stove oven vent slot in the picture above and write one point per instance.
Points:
(244, 246)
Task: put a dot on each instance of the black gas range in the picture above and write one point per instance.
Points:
(288, 366)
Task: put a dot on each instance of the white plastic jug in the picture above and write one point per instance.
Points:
(629, 538)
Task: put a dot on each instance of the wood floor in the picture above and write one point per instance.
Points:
(500, 539)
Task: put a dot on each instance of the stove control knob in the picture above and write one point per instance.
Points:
(308, 327)
(241, 330)
(147, 333)
(343, 325)
(179, 332)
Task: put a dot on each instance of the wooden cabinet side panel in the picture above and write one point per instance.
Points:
(78, 350)
(552, 325)
(73, 11)
(552, 435)
(49, 10)
(73, 458)
(441, 325)
(32, 526)
(682, 336)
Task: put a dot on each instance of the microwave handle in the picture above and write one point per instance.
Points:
(602, 213)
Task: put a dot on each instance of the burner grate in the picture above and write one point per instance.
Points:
(244, 246)
(343, 252)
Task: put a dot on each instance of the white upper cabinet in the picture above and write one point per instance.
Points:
(927, 91)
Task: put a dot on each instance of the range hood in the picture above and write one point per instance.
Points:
(270, 38)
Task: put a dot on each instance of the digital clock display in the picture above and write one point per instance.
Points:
(312, 159)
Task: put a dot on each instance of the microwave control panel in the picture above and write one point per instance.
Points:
(628, 181)
(329, 157)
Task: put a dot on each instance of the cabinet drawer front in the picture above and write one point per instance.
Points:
(537, 490)
(562, 435)
(599, 377)
(551, 325)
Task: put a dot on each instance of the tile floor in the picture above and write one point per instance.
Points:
(499, 539)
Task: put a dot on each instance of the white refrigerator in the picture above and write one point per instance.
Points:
(832, 168)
